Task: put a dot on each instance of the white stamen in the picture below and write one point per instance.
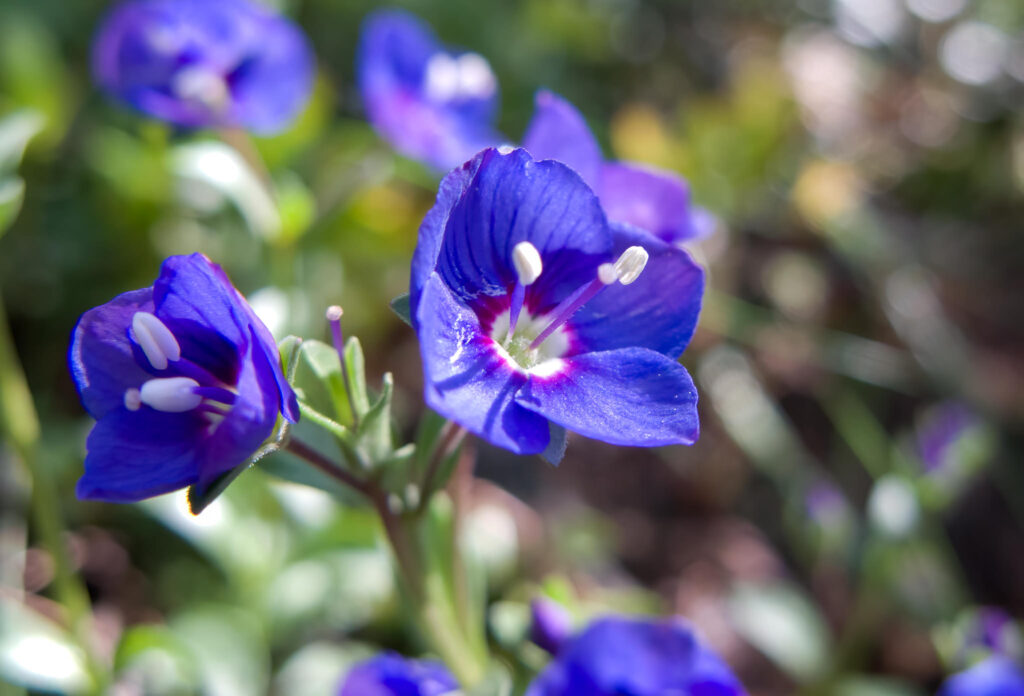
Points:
(475, 76)
(442, 77)
(526, 259)
(631, 264)
(132, 399)
(607, 273)
(334, 313)
(155, 340)
(201, 85)
(171, 394)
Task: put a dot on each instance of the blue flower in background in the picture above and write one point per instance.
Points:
(534, 315)
(550, 624)
(393, 675)
(183, 379)
(205, 63)
(654, 200)
(431, 103)
(619, 656)
(996, 676)
(941, 430)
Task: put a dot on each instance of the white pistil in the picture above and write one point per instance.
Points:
(201, 85)
(155, 340)
(526, 259)
(464, 77)
(170, 394)
(132, 399)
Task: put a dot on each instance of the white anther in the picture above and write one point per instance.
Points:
(475, 76)
(200, 84)
(631, 264)
(334, 313)
(526, 259)
(607, 273)
(132, 399)
(442, 77)
(155, 340)
(171, 394)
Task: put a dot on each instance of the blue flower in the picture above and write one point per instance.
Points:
(393, 675)
(651, 199)
(996, 676)
(534, 315)
(431, 103)
(940, 433)
(200, 63)
(616, 656)
(183, 380)
(550, 624)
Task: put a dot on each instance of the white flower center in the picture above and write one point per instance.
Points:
(544, 359)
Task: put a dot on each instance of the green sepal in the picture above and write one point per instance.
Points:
(375, 436)
(401, 306)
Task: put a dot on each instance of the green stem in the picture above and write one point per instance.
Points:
(19, 423)
(427, 596)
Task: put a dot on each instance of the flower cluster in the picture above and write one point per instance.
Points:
(183, 379)
(535, 315)
(205, 63)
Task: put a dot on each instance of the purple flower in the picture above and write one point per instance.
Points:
(183, 380)
(995, 676)
(618, 656)
(430, 102)
(393, 675)
(529, 318)
(200, 63)
(940, 432)
(550, 624)
(651, 199)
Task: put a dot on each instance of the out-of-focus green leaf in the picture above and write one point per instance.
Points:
(16, 130)
(296, 206)
(37, 653)
(33, 73)
(318, 669)
(136, 168)
(375, 434)
(497, 682)
(874, 686)
(211, 168)
(153, 657)
(780, 621)
(229, 647)
(12, 193)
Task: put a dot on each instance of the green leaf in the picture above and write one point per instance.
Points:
(297, 206)
(38, 653)
(781, 622)
(400, 306)
(874, 686)
(375, 435)
(16, 130)
(12, 193)
(323, 361)
(289, 349)
(157, 659)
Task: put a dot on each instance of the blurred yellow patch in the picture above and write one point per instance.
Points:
(639, 134)
(386, 209)
(824, 190)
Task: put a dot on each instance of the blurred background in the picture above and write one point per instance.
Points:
(852, 519)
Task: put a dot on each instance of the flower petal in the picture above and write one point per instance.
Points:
(133, 455)
(658, 311)
(629, 396)
(558, 132)
(431, 231)
(653, 200)
(395, 49)
(250, 420)
(101, 356)
(512, 199)
(465, 378)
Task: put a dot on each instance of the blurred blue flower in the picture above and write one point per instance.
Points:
(183, 379)
(996, 676)
(529, 318)
(940, 432)
(617, 656)
(550, 624)
(205, 63)
(652, 199)
(393, 675)
(431, 103)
